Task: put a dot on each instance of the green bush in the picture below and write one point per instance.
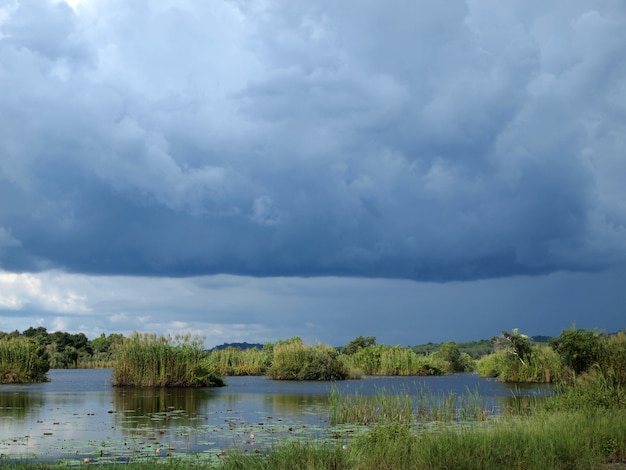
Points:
(579, 349)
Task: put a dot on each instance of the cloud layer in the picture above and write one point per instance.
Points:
(428, 141)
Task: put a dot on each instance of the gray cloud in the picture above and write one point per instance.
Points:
(333, 310)
(455, 141)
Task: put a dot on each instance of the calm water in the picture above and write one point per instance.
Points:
(78, 414)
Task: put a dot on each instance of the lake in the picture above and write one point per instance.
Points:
(78, 414)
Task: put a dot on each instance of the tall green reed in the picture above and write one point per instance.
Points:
(400, 407)
(22, 361)
(149, 360)
(235, 361)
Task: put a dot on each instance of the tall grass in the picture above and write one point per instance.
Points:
(381, 408)
(235, 361)
(572, 441)
(22, 361)
(395, 361)
(387, 408)
(149, 360)
(294, 360)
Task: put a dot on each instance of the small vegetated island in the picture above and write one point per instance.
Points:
(148, 360)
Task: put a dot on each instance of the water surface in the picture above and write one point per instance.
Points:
(79, 415)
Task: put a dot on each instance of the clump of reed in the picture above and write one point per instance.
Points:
(452, 407)
(381, 408)
(294, 360)
(385, 360)
(391, 407)
(22, 361)
(236, 361)
(148, 360)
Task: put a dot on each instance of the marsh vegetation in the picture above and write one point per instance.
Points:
(581, 425)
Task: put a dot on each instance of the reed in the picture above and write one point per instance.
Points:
(381, 408)
(235, 361)
(148, 360)
(293, 360)
(384, 360)
(22, 361)
(395, 407)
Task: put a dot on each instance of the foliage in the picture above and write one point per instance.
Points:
(602, 385)
(381, 359)
(293, 360)
(358, 343)
(612, 358)
(514, 343)
(64, 350)
(579, 349)
(474, 349)
(22, 360)
(454, 359)
(543, 366)
(163, 361)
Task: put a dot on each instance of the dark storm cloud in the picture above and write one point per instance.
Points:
(419, 140)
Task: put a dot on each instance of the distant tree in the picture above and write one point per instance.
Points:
(359, 343)
(100, 344)
(40, 334)
(450, 353)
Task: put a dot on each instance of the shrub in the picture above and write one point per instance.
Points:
(579, 349)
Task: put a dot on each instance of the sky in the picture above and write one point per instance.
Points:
(254, 170)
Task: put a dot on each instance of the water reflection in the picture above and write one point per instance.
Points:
(78, 413)
(292, 404)
(149, 401)
(19, 405)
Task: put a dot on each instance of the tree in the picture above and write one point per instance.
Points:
(450, 353)
(578, 349)
(516, 343)
(359, 343)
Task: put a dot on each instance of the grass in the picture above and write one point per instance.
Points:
(387, 407)
(381, 408)
(562, 440)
